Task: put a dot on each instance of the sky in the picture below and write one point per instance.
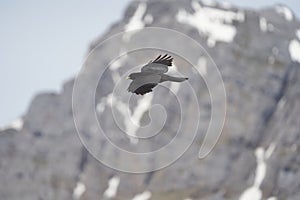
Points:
(43, 43)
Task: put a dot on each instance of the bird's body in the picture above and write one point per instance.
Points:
(152, 74)
(158, 68)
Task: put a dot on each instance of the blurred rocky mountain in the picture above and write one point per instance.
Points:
(257, 156)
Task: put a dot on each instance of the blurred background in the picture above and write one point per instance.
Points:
(256, 48)
(45, 43)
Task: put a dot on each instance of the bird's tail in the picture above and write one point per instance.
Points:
(173, 79)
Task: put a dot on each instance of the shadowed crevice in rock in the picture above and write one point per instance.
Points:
(83, 159)
(148, 178)
(269, 111)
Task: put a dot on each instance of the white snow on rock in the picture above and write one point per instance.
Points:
(120, 105)
(298, 34)
(131, 119)
(225, 4)
(116, 65)
(261, 168)
(202, 66)
(132, 124)
(78, 190)
(209, 2)
(148, 19)
(281, 103)
(115, 76)
(214, 23)
(111, 100)
(136, 22)
(16, 124)
(211, 42)
(285, 12)
(123, 108)
(254, 192)
(100, 107)
(143, 196)
(270, 150)
(263, 24)
(294, 49)
(119, 61)
(113, 185)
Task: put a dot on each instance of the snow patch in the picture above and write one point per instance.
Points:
(131, 120)
(115, 76)
(78, 190)
(143, 196)
(261, 166)
(136, 22)
(148, 19)
(202, 66)
(211, 42)
(209, 2)
(298, 33)
(100, 107)
(113, 102)
(215, 23)
(132, 124)
(254, 192)
(120, 105)
(263, 24)
(270, 150)
(284, 11)
(16, 124)
(113, 185)
(119, 61)
(294, 49)
(225, 4)
(116, 65)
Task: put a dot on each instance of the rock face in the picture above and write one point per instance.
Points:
(257, 156)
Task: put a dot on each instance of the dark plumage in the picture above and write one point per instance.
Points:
(151, 74)
(145, 88)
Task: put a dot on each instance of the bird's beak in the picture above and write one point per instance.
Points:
(127, 78)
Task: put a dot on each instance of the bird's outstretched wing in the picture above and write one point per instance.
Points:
(159, 65)
(144, 84)
(165, 60)
(145, 88)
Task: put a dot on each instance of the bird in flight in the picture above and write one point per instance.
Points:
(151, 75)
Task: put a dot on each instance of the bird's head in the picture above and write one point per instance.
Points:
(132, 76)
